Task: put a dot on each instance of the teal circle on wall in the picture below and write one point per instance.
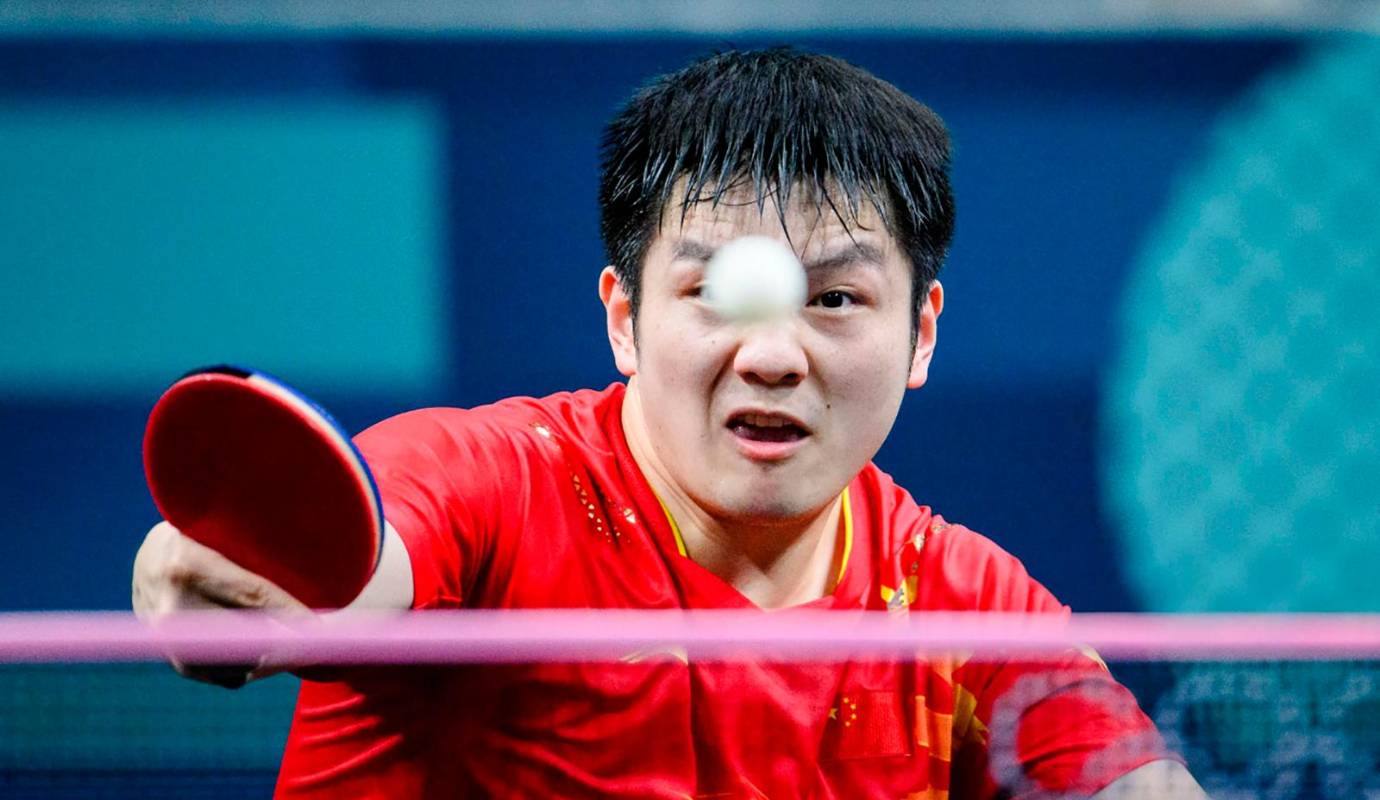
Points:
(1242, 412)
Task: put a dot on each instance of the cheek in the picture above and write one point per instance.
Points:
(865, 391)
(678, 368)
(871, 370)
(681, 352)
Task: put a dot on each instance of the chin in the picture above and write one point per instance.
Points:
(766, 506)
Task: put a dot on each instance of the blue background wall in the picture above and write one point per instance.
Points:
(453, 197)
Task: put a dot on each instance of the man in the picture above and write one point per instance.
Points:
(732, 471)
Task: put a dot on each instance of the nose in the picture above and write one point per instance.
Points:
(770, 354)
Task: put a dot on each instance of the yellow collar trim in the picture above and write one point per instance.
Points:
(847, 512)
(675, 529)
(847, 534)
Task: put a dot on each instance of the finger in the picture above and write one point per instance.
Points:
(232, 677)
(173, 572)
(146, 583)
(228, 676)
(198, 568)
(227, 585)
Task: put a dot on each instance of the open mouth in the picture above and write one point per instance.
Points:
(766, 428)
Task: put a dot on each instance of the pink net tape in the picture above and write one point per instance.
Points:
(587, 635)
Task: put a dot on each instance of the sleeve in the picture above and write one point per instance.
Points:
(446, 477)
(1039, 728)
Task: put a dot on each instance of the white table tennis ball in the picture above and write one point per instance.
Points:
(754, 278)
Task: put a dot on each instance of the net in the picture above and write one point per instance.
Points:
(782, 705)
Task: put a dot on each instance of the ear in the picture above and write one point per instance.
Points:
(618, 314)
(926, 336)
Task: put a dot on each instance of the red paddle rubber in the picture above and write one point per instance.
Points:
(244, 465)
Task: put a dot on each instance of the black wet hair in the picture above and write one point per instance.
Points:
(777, 120)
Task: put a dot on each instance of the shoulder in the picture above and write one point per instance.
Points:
(969, 571)
(515, 425)
(462, 486)
(955, 567)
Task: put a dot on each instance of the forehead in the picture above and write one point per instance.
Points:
(809, 221)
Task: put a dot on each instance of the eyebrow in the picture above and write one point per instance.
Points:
(854, 253)
(692, 250)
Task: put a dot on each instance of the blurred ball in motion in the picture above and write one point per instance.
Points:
(754, 278)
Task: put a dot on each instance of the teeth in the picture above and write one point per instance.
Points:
(763, 421)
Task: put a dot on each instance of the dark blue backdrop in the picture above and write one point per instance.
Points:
(1065, 151)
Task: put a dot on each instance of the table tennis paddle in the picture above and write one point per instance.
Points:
(245, 465)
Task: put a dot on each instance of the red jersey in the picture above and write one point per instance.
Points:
(538, 504)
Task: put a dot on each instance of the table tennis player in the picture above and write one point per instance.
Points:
(733, 469)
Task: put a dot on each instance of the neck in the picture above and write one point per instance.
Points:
(774, 563)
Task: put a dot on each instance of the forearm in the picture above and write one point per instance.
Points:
(390, 587)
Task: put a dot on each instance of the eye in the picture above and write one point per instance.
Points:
(835, 298)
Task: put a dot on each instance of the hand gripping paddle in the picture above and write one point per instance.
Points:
(245, 465)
